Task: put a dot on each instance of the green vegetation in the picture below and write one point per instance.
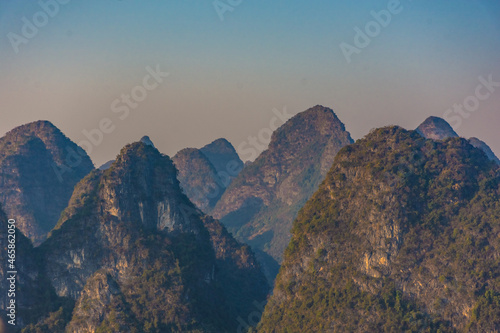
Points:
(55, 322)
(132, 260)
(400, 237)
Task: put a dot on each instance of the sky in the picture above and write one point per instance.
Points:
(186, 72)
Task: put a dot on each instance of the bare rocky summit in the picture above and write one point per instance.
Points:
(436, 128)
(260, 204)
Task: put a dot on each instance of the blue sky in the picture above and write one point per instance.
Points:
(226, 77)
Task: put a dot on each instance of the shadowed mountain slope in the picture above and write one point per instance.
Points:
(39, 166)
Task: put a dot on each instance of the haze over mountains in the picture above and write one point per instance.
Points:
(391, 233)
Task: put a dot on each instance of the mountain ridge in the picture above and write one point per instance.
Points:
(399, 237)
(130, 247)
(260, 203)
(39, 166)
(205, 173)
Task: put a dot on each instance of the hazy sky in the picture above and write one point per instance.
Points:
(226, 76)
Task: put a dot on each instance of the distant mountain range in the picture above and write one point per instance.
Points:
(132, 253)
(396, 232)
(205, 173)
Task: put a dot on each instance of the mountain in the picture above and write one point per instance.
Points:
(484, 147)
(198, 178)
(259, 205)
(223, 157)
(436, 129)
(205, 173)
(131, 253)
(147, 141)
(39, 166)
(106, 165)
(402, 236)
(31, 291)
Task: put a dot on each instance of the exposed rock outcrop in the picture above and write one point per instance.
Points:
(134, 254)
(401, 236)
(261, 203)
(436, 128)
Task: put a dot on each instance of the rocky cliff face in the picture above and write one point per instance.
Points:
(134, 254)
(261, 203)
(205, 173)
(39, 167)
(401, 236)
(436, 128)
